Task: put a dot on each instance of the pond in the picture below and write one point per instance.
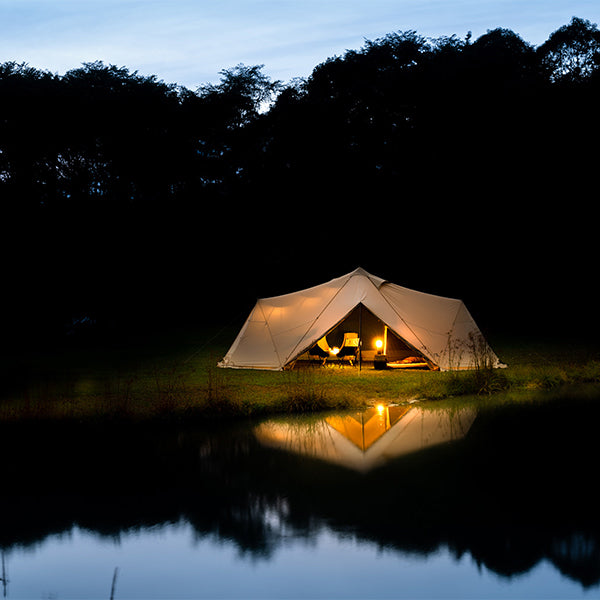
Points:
(419, 501)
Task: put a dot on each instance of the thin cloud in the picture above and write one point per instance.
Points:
(190, 41)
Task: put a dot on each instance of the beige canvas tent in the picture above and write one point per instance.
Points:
(281, 329)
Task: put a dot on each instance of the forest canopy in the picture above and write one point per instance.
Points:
(113, 184)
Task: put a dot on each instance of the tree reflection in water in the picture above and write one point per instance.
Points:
(509, 486)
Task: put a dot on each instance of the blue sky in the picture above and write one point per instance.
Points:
(189, 41)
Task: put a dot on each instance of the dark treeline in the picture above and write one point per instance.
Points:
(463, 167)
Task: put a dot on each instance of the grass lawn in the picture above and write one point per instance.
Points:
(176, 375)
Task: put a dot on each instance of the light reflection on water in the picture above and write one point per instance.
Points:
(412, 502)
(367, 439)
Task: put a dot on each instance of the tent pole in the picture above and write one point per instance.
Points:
(385, 330)
(360, 337)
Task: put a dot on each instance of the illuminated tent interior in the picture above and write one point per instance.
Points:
(433, 331)
(377, 338)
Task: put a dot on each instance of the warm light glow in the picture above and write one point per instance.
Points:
(335, 350)
(380, 408)
(379, 344)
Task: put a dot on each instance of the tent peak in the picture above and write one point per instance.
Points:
(360, 272)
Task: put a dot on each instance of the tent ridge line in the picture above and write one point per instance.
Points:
(455, 316)
(259, 304)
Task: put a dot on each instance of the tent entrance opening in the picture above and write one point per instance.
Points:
(376, 338)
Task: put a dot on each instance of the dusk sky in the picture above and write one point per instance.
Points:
(189, 41)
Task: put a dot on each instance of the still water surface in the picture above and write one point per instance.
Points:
(400, 502)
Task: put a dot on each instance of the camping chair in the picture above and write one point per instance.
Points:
(320, 350)
(349, 348)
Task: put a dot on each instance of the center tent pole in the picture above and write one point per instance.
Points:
(360, 337)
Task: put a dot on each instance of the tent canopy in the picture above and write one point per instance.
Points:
(280, 329)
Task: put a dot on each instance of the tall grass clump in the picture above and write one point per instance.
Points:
(217, 396)
(305, 390)
(483, 378)
(590, 372)
(170, 387)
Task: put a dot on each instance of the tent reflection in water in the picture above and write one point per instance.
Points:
(438, 331)
(365, 440)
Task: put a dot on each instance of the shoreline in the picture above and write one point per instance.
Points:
(162, 382)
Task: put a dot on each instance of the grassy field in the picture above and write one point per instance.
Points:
(175, 376)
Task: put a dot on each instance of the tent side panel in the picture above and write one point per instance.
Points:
(291, 319)
(253, 347)
(423, 320)
(278, 324)
(468, 344)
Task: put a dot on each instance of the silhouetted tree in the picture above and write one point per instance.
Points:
(125, 140)
(28, 132)
(572, 53)
(114, 182)
(241, 94)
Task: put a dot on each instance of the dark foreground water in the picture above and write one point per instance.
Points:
(399, 502)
